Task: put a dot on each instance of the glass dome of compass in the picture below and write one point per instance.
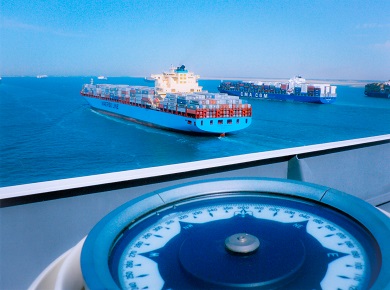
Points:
(238, 234)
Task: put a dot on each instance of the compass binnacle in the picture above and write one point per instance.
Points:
(240, 233)
(289, 242)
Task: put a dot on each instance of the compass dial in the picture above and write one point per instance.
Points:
(231, 238)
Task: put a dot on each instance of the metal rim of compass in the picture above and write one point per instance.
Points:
(99, 242)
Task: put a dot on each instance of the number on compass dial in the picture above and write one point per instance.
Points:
(243, 242)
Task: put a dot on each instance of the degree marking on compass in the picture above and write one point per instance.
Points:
(259, 208)
(227, 208)
(355, 254)
(290, 212)
(358, 266)
(318, 221)
(132, 254)
(210, 210)
(329, 227)
(275, 210)
(196, 213)
(129, 275)
(243, 213)
(341, 236)
(306, 216)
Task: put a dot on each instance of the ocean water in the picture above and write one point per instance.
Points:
(49, 132)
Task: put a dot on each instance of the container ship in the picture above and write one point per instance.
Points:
(378, 90)
(176, 103)
(296, 89)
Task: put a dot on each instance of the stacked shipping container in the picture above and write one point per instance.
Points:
(195, 105)
(207, 105)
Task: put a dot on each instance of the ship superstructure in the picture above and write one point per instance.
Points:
(177, 80)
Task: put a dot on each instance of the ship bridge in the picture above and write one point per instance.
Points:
(176, 80)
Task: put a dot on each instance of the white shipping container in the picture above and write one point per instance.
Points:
(213, 96)
(326, 90)
(201, 93)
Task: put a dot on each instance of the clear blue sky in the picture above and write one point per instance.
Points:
(270, 39)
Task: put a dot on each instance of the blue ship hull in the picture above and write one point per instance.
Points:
(378, 95)
(169, 121)
(281, 97)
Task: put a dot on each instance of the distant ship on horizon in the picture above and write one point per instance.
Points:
(296, 89)
(378, 90)
(41, 76)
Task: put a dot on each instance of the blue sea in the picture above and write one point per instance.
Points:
(49, 132)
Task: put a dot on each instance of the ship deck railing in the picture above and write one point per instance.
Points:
(41, 221)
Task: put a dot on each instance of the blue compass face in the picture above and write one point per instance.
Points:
(244, 241)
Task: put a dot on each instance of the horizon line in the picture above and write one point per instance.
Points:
(227, 78)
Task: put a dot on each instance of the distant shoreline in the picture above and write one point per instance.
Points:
(355, 83)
